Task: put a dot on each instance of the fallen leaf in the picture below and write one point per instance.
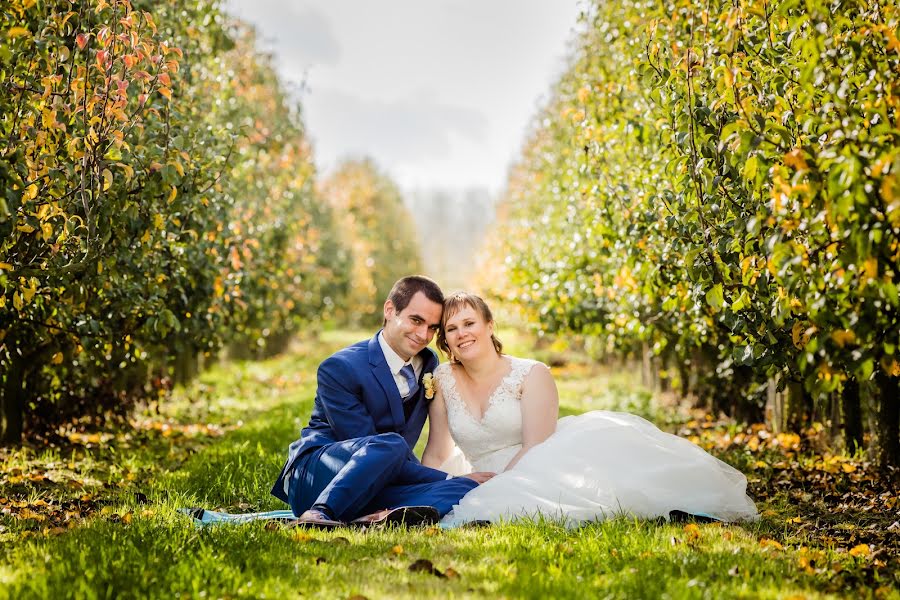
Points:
(27, 513)
(397, 550)
(768, 543)
(424, 565)
(692, 531)
(860, 550)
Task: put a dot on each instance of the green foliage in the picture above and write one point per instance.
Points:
(717, 181)
(379, 231)
(158, 202)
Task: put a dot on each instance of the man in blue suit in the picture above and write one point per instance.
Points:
(354, 461)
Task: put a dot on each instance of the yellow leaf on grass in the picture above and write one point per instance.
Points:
(301, 536)
(30, 514)
(692, 531)
(848, 467)
(860, 550)
(5, 266)
(768, 543)
(794, 520)
(397, 550)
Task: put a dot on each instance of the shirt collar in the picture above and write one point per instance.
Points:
(395, 363)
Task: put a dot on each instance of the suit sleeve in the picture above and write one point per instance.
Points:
(343, 406)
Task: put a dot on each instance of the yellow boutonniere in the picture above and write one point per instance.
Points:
(428, 382)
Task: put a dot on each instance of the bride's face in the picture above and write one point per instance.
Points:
(468, 334)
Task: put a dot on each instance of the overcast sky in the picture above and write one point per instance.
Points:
(439, 92)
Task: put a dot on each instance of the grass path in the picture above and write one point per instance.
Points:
(95, 517)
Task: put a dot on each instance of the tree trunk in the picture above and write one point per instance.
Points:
(684, 375)
(888, 421)
(774, 406)
(646, 368)
(852, 416)
(185, 367)
(12, 402)
(798, 406)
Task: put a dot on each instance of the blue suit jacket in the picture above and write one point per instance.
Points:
(357, 397)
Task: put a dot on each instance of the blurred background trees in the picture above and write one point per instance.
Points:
(379, 232)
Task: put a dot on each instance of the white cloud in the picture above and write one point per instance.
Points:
(298, 34)
(407, 130)
(364, 64)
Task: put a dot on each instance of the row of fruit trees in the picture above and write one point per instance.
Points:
(159, 202)
(717, 183)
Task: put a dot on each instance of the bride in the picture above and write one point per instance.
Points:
(501, 412)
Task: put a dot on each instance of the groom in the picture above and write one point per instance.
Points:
(354, 461)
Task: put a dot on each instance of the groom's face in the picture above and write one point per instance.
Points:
(408, 331)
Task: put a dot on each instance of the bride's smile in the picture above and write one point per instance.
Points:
(468, 335)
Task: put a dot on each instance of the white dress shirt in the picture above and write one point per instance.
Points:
(395, 363)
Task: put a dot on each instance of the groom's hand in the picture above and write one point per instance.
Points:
(479, 476)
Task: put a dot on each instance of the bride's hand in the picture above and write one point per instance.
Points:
(479, 476)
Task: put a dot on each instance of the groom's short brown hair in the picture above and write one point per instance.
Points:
(404, 289)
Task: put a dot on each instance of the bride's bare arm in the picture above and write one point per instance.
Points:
(440, 444)
(540, 410)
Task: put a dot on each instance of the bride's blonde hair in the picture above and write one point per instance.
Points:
(452, 305)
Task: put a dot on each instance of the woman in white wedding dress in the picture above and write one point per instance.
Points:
(501, 412)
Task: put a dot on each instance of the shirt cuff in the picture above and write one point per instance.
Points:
(449, 476)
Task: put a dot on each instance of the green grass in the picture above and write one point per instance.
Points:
(101, 519)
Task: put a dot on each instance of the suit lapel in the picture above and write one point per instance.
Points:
(386, 381)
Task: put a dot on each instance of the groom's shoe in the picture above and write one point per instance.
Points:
(316, 519)
(403, 515)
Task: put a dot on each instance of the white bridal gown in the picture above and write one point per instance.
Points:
(596, 465)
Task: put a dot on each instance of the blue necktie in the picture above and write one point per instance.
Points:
(410, 375)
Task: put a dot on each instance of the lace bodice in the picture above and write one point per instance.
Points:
(488, 443)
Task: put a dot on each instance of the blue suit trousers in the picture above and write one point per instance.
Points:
(362, 475)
